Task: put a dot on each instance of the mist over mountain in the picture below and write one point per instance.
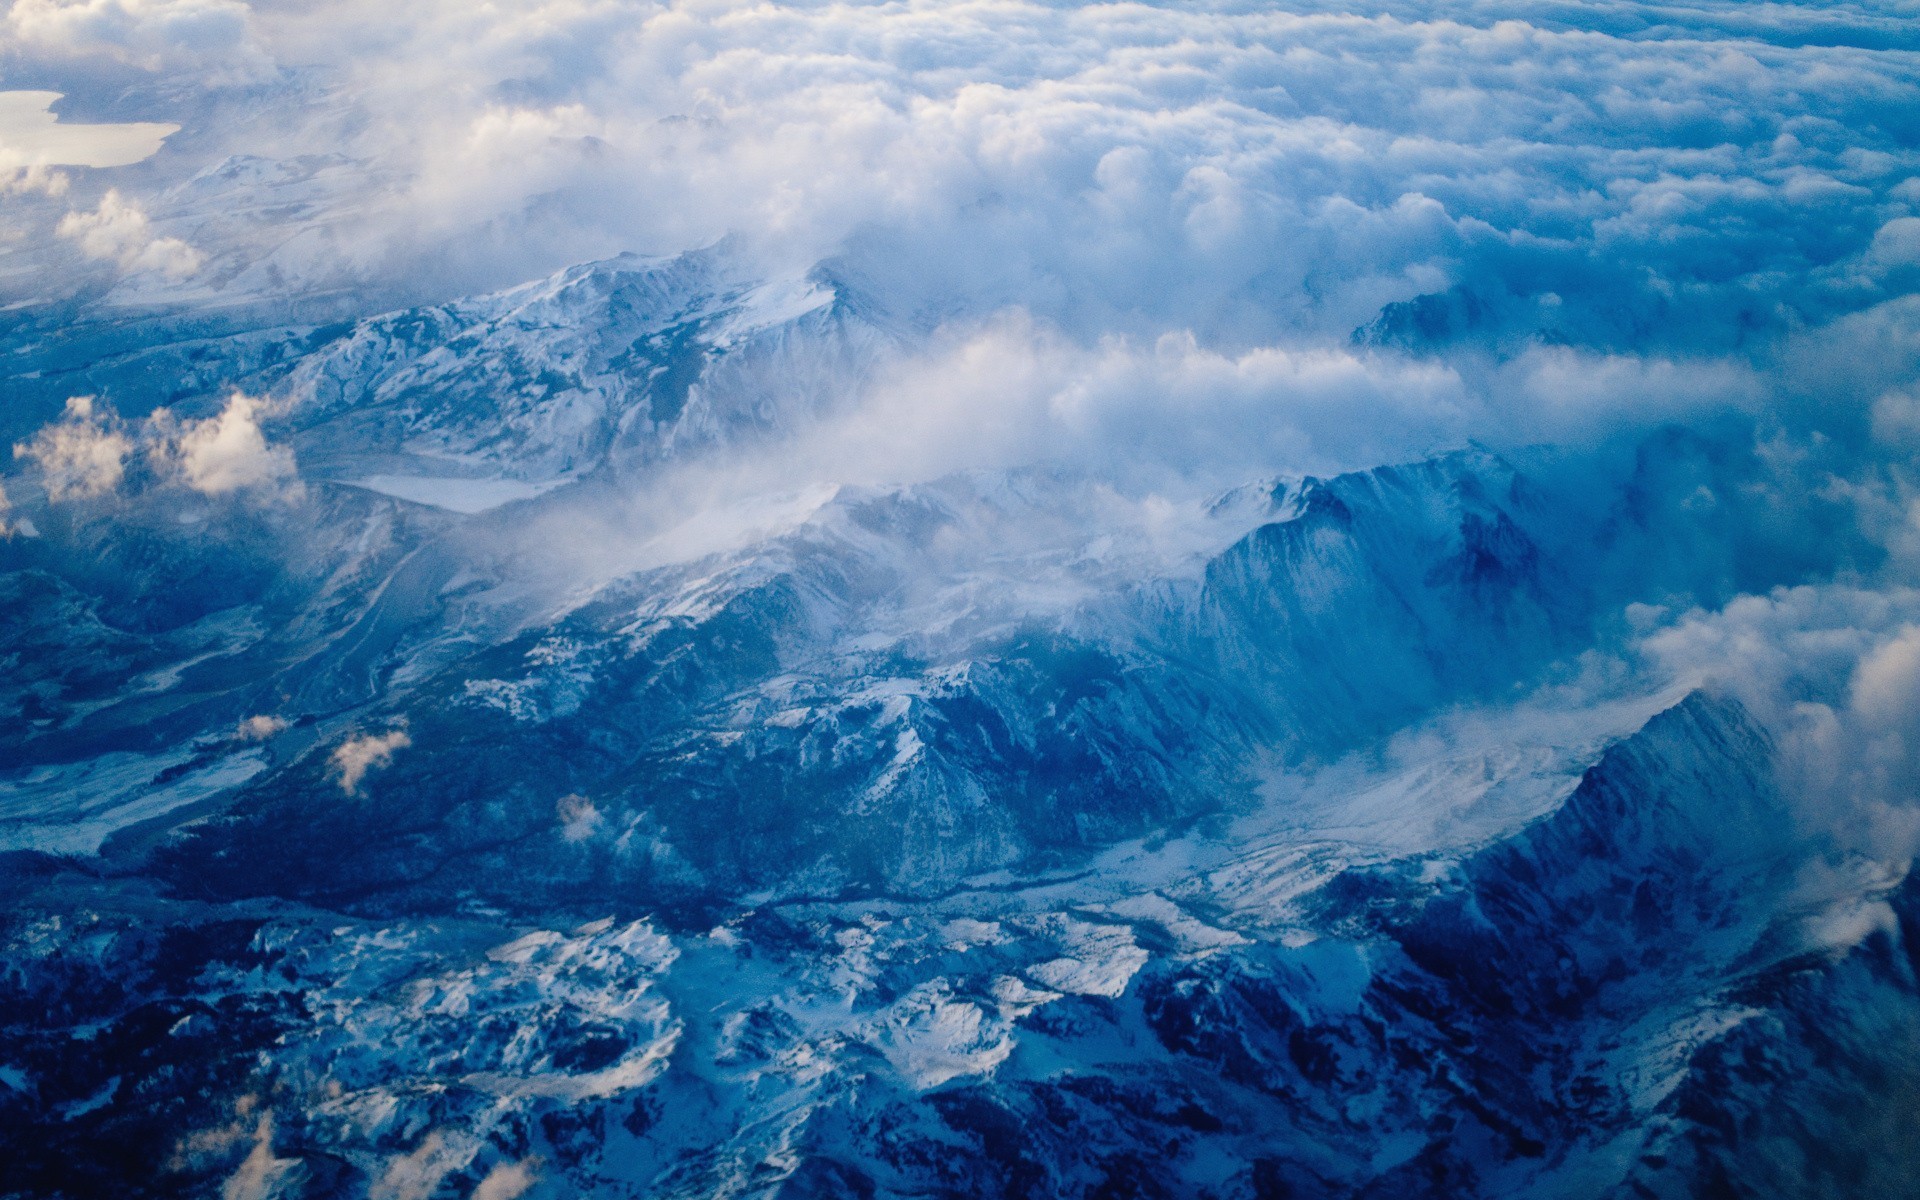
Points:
(959, 600)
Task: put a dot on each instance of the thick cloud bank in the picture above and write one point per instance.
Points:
(1651, 213)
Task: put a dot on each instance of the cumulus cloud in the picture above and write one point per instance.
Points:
(227, 452)
(82, 455)
(1246, 173)
(353, 758)
(1257, 179)
(85, 453)
(118, 231)
(1137, 169)
(1149, 228)
(1885, 688)
(259, 728)
(34, 180)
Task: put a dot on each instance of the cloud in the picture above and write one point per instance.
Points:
(580, 818)
(1834, 671)
(507, 1181)
(1649, 223)
(82, 455)
(1897, 243)
(85, 453)
(259, 728)
(260, 1174)
(227, 452)
(1246, 172)
(118, 231)
(416, 1174)
(153, 35)
(1177, 415)
(1885, 688)
(353, 758)
(34, 180)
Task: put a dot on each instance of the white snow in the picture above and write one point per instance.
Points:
(73, 808)
(31, 135)
(467, 496)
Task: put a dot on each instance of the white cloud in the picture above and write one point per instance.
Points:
(82, 455)
(118, 231)
(227, 452)
(1264, 180)
(259, 1175)
(85, 453)
(1834, 671)
(507, 1181)
(202, 35)
(1250, 175)
(580, 818)
(1897, 243)
(1885, 688)
(416, 1174)
(34, 180)
(353, 758)
(259, 728)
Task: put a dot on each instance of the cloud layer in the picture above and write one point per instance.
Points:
(1125, 168)
(1145, 224)
(1248, 173)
